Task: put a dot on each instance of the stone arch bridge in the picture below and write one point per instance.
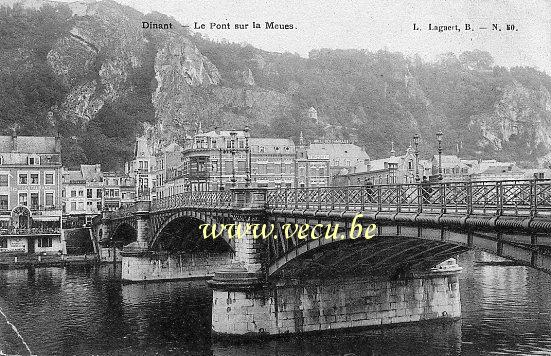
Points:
(297, 284)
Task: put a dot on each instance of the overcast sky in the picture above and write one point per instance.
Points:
(377, 25)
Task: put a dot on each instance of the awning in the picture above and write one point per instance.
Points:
(45, 218)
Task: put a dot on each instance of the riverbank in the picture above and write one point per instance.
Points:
(38, 260)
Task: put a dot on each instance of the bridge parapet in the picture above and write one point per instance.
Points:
(517, 198)
(210, 199)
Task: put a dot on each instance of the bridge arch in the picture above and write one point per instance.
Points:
(182, 228)
(381, 255)
(436, 245)
(123, 234)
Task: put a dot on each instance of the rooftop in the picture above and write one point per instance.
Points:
(29, 144)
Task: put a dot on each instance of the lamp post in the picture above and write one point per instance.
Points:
(247, 157)
(439, 135)
(416, 143)
(233, 136)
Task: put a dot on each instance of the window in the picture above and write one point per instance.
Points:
(34, 201)
(49, 178)
(4, 202)
(73, 193)
(22, 198)
(33, 161)
(89, 203)
(80, 205)
(73, 206)
(98, 205)
(3, 180)
(262, 169)
(89, 193)
(49, 199)
(4, 243)
(45, 241)
(22, 178)
(34, 178)
(81, 193)
(98, 193)
(241, 144)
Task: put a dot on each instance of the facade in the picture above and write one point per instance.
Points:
(389, 170)
(82, 195)
(119, 191)
(30, 194)
(213, 160)
(166, 162)
(454, 169)
(342, 156)
(142, 168)
(310, 172)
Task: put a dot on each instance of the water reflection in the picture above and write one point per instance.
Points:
(87, 310)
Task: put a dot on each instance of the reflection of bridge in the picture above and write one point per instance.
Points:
(418, 226)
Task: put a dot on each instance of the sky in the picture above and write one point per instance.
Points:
(377, 24)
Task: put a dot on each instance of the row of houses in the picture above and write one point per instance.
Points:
(39, 197)
(218, 160)
(404, 169)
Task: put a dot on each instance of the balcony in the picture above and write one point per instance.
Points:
(195, 175)
(31, 231)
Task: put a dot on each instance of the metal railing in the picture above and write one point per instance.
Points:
(30, 231)
(210, 199)
(526, 197)
(514, 197)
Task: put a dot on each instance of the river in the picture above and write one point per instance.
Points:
(88, 311)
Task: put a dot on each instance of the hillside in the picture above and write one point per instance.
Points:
(88, 72)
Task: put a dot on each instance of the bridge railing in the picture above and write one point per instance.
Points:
(515, 197)
(212, 199)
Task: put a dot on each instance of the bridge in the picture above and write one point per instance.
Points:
(293, 284)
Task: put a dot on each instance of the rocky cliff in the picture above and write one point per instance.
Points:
(99, 80)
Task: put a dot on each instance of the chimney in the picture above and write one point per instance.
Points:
(14, 138)
(57, 144)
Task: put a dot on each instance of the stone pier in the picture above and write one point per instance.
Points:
(152, 266)
(248, 308)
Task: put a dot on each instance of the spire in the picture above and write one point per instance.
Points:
(392, 152)
(199, 128)
(301, 139)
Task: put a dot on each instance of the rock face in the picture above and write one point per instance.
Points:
(519, 112)
(162, 83)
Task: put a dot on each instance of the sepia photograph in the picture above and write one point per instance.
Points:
(294, 177)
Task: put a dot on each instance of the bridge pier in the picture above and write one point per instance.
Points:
(244, 306)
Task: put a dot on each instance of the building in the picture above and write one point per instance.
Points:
(310, 172)
(216, 160)
(341, 155)
(82, 195)
(119, 191)
(213, 160)
(498, 173)
(141, 169)
(167, 161)
(453, 168)
(30, 194)
(389, 170)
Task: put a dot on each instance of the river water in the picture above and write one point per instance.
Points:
(87, 311)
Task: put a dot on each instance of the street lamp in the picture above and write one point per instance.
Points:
(416, 143)
(233, 136)
(247, 157)
(439, 135)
